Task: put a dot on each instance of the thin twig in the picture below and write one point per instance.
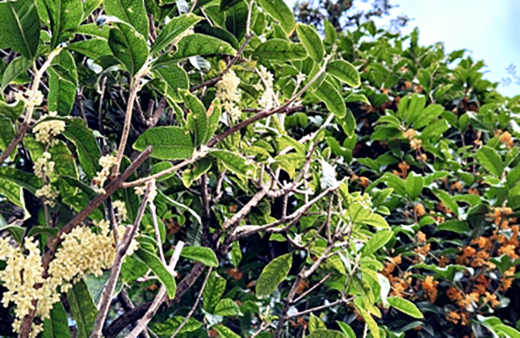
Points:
(194, 307)
(108, 291)
(29, 109)
(153, 211)
(150, 313)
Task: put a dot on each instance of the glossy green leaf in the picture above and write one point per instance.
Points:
(173, 29)
(311, 41)
(235, 163)
(225, 332)
(405, 306)
(213, 291)
(91, 48)
(332, 99)
(197, 117)
(371, 323)
(128, 46)
(273, 274)
(281, 12)
(132, 12)
(414, 185)
(377, 241)
(344, 71)
(347, 330)
(169, 143)
(83, 309)
(63, 83)
(64, 16)
(8, 132)
(170, 325)
(174, 77)
(280, 50)
(57, 326)
(163, 274)
(198, 44)
(227, 308)
(489, 159)
(200, 254)
(15, 69)
(86, 145)
(323, 333)
(448, 201)
(20, 29)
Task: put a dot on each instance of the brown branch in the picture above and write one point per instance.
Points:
(80, 217)
(29, 109)
(108, 291)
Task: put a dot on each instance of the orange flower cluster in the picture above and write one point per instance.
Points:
(507, 139)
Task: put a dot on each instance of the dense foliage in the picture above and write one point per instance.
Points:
(214, 169)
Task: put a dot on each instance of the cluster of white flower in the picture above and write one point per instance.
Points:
(120, 211)
(48, 193)
(141, 189)
(30, 97)
(268, 99)
(45, 131)
(82, 251)
(106, 162)
(43, 166)
(227, 93)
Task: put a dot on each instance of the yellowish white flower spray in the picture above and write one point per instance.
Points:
(106, 162)
(228, 94)
(82, 251)
(45, 131)
(268, 99)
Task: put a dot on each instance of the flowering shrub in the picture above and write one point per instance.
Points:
(212, 169)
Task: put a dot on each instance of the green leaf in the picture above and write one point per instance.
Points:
(161, 271)
(190, 175)
(64, 15)
(83, 309)
(23, 179)
(454, 226)
(235, 163)
(279, 10)
(226, 307)
(62, 91)
(96, 285)
(198, 44)
(371, 323)
(57, 326)
(20, 29)
(349, 123)
(280, 50)
(378, 240)
(414, 185)
(169, 143)
(8, 132)
(213, 291)
(322, 333)
(347, 330)
(200, 254)
(448, 201)
(225, 332)
(311, 41)
(332, 98)
(86, 145)
(214, 112)
(315, 323)
(489, 159)
(132, 12)
(344, 71)
(175, 77)
(91, 48)
(13, 110)
(273, 274)
(429, 114)
(507, 330)
(128, 46)
(197, 116)
(405, 306)
(435, 129)
(414, 107)
(236, 253)
(15, 69)
(173, 29)
(170, 325)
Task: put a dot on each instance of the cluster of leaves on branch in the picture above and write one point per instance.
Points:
(214, 169)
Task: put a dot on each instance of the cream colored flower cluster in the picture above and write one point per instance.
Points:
(30, 97)
(43, 166)
(141, 189)
(45, 131)
(106, 162)
(82, 251)
(227, 93)
(48, 194)
(268, 98)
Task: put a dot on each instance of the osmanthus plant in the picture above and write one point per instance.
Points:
(165, 171)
